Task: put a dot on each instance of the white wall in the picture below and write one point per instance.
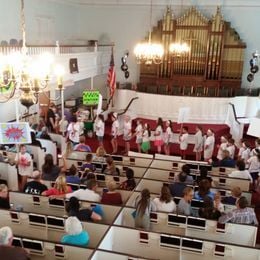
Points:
(46, 21)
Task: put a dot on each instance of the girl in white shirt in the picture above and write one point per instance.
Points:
(209, 145)
(222, 147)
(114, 133)
(139, 135)
(183, 139)
(73, 131)
(146, 139)
(158, 134)
(100, 129)
(167, 137)
(254, 164)
(198, 146)
(24, 162)
(127, 133)
(165, 203)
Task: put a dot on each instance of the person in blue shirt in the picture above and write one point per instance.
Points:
(204, 190)
(75, 233)
(72, 176)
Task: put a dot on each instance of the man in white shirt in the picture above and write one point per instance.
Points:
(88, 194)
(242, 172)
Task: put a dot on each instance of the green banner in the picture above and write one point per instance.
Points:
(90, 97)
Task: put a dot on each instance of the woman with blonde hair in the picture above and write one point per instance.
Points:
(100, 154)
(60, 188)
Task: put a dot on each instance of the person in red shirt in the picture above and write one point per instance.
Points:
(60, 188)
(111, 196)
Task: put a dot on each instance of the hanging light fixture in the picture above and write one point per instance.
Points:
(21, 76)
(149, 52)
(179, 48)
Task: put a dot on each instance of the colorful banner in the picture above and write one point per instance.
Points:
(15, 133)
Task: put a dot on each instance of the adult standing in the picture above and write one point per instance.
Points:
(50, 118)
(209, 145)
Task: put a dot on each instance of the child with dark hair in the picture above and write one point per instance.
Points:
(72, 175)
(100, 129)
(168, 137)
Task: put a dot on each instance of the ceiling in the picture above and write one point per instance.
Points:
(241, 3)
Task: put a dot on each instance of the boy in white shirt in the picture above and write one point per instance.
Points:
(184, 142)
(222, 147)
(139, 135)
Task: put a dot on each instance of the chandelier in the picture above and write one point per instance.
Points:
(179, 48)
(149, 52)
(23, 77)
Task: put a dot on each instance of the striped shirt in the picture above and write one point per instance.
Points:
(240, 216)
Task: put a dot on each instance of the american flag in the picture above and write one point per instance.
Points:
(111, 76)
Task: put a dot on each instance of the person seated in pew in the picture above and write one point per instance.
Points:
(89, 176)
(144, 206)
(73, 209)
(227, 161)
(75, 233)
(217, 202)
(130, 183)
(110, 196)
(7, 251)
(100, 155)
(72, 175)
(35, 142)
(44, 134)
(35, 187)
(4, 197)
(208, 210)
(204, 175)
(241, 173)
(88, 166)
(50, 171)
(241, 215)
(184, 206)
(82, 146)
(165, 203)
(236, 193)
(180, 183)
(111, 168)
(204, 190)
(60, 188)
(186, 170)
(89, 193)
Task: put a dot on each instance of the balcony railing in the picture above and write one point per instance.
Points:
(56, 50)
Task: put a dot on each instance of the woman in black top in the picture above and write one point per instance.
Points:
(73, 209)
(50, 172)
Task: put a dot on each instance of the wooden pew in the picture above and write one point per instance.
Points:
(165, 246)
